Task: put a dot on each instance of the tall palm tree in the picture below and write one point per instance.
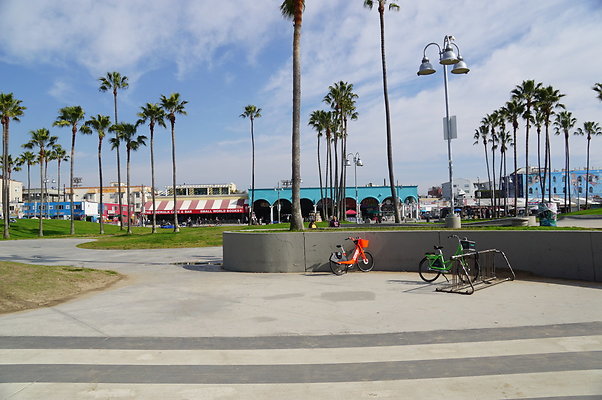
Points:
(114, 82)
(504, 140)
(10, 109)
(381, 12)
(172, 106)
(598, 89)
(589, 129)
(548, 100)
(71, 117)
(99, 124)
(293, 9)
(252, 112)
(482, 134)
(61, 155)
(493, 121)
(341, 99)
(42, 140)
(526, 93)
(513, 110)
(563, 124)
(318, 120)
(126, 133)
(28, 158)
(154, 115)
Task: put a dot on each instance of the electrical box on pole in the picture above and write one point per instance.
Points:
(452, 127)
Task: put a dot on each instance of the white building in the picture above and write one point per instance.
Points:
(463, 189)
(15, 196)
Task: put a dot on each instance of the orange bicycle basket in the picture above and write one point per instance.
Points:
(363, 243)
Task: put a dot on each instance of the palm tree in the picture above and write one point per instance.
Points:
(10, 109)
(42, 140)
(293, 9)
(589, 128)
(598, 89)
(493, 121)
(341, 99)
(173, 105)
(548, 100)
(512, 112)
(252, 112)
(61, 155)
(100, 124)
(114, 81)
(482, 133)
(318, 120)
(564, 123)
(504, 140)
(28, 158)
(126, 133)
(71, 116)
(154, 115)
(526, 93)
(381, 12)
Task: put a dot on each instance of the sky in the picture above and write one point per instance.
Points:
(223, 56)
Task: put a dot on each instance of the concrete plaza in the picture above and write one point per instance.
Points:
(179, 327)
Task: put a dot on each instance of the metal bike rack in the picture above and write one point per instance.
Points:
(489, 275)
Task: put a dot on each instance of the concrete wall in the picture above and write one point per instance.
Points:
(555, 254)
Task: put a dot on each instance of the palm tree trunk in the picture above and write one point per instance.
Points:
(487, 164)
(152, 154)
(320, 177)
(297, 220)
(119, 200)
(336, 177)
(568, 171)
(252, 173)
(527, 170)
(515, 174)
(500, 182)
(40, 222)
(587, 176)
(176, 227)
(129, 202)
(5, 182)
(101, 210)
(541, 177)
(548, 161)
(494, 210)
(46, 188)
(381, 12)
(331, 198)
(74, 131)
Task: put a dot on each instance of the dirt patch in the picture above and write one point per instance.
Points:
(24, 286)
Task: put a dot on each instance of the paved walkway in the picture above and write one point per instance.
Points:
(181, 328)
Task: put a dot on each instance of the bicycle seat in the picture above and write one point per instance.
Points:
(437, 247)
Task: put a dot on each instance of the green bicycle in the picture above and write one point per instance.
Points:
(434, 264)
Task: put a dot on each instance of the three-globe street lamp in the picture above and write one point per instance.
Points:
(447, 56)
(357, 162)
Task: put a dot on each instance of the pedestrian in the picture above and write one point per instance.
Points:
(334, 223)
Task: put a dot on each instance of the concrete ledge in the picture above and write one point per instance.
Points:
(555, 254)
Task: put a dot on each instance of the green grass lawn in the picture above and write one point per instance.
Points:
(591, 211)
(206, 236)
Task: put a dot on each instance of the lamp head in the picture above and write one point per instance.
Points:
(359, 162)
(426, 68)
(448, 57)
(460, 67)
(348, 162)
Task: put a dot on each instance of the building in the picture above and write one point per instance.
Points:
(577, 186)
(199, 203)
(275, 204)
(140, 194)
(15, 196)
(464, 189)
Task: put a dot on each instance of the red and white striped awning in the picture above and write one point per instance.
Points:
(197, 206)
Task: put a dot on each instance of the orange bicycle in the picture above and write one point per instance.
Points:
(340, 264)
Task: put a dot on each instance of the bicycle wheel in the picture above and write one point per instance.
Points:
(425, 273)
(367, 264)
(338, 269)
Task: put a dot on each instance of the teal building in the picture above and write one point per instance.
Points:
(274, 204)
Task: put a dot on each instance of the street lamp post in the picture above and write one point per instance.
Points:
(357, 162)
(447, 56)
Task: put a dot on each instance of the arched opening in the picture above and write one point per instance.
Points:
(325, 207)
(369, 208)
(307, 208)
(350, 209)
(283, 209)
(261, 208)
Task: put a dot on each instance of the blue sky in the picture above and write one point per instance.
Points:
(221, 57)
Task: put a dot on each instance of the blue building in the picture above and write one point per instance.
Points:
(61, 210)
(578, 186)
(276, 203)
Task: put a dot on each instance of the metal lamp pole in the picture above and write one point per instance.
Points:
(357, 162)
(446, 57)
